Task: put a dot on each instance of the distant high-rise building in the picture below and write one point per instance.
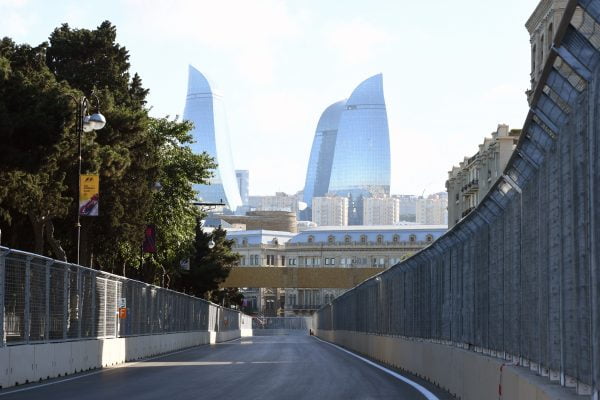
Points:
(433, 209)
(321, 154)
(408, 207)
(243, 180)
(205, 108)
(350, 155)
(381, 211)
(280, 202)
(361, 161)
(330, 211)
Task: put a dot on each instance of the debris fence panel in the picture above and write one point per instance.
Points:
(519, 276)
(44, 300)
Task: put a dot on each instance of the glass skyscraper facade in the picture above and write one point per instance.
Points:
(350, 154)
(361, 161)
(204, 106)
(321, 154)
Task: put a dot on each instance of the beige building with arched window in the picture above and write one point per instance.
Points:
(324, 247)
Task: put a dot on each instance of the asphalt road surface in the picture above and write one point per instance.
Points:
(267, 367)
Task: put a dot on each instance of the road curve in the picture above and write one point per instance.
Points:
(261, 367)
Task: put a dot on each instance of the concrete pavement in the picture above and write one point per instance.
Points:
(268, 367)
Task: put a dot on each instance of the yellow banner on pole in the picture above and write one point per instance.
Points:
(89, 195)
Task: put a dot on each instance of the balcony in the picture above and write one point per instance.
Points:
(472, 187)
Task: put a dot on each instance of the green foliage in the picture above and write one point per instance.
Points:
(172, 210)
(38, 158)
(209, 267)
(123, 153)
(35, 122)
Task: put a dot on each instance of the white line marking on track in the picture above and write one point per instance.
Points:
(101, 370)
(428, 395)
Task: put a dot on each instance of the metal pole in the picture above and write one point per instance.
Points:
(47, 297)
(27, 293)
(141, 256)
(3, 256)
(93, 311)
(66, 291)
(79, 302)
(80, 112)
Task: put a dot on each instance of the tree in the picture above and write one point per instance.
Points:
(38, 157)
(124, 153)
(36, 120)
(172, 209)
(209, 267)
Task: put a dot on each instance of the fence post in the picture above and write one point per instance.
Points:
(104, 305)
(3, 256)
(115, 313)
(79, 301)
(93, 327)
(27, 293)
(47, 305)
(66, 289)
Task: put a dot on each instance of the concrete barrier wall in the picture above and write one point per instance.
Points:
(35, 362)
(465, 374)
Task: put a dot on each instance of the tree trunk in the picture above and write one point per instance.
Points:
(37, 223)
(58, 251)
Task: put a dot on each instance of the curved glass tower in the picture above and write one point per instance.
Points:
(321, 154)
(205, 108)
(361, 161)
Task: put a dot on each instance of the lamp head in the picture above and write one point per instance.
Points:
(97, 121)
(87, 126)
(211, 244)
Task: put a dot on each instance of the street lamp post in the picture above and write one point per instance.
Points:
(84, 123)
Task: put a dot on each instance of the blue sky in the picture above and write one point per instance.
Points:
(452, 70)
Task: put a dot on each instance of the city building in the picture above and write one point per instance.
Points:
(470, 181)
(381, 211)
(261, 248)
(542, 25)
(361, 160)
(264, 220)
(243, 180)
(330, 211)
(432, 210)
(350, 155)
(321, 153)
(204, 107)
(280, 202)
(323, 247)
(408, 207)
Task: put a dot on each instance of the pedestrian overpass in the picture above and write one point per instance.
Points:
(505, 305)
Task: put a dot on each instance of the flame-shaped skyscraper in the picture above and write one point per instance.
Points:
(204, 106)
(350, 155)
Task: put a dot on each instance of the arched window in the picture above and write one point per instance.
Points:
(275, 241)
(396, 238)
(331, 239)
(412, 238)
(429, 238)
(379, 239)
(311, 239)
(244, 242)
(533, 58)
(347, 239)
(363, 238)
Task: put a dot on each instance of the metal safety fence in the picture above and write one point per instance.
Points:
(518, 277)
(287, 323)
(44, 300)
